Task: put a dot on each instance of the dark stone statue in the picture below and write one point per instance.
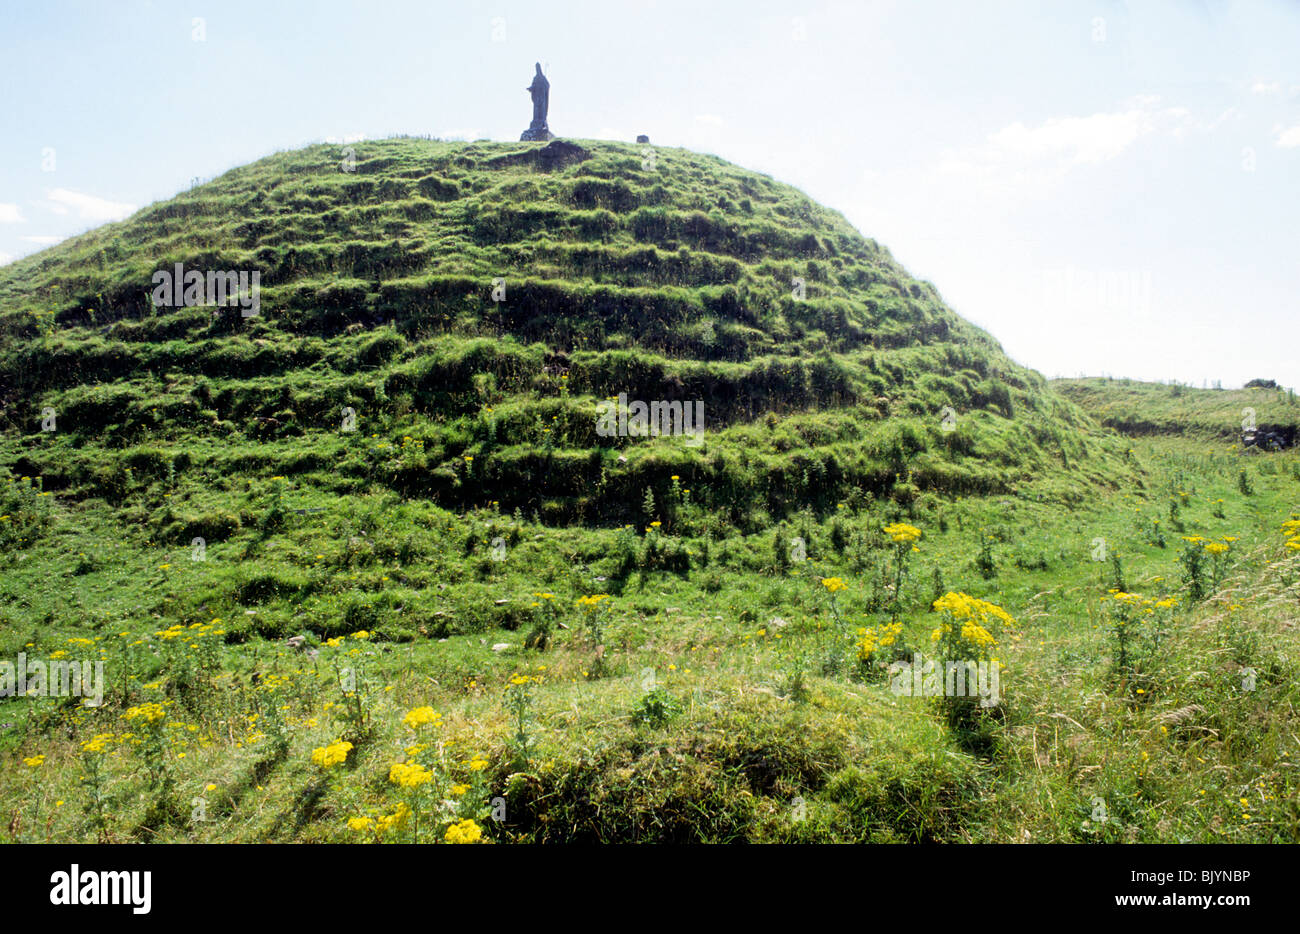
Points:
(540, 90)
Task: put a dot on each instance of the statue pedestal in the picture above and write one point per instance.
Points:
(536, 133)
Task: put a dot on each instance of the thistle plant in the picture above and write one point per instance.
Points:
(1175, 522)
(1121, 632)
(271, 715)
(354, 712)
(519, 701)
(132, 656)
(1139, 627)
(1193, 561)
(1151, 531)
(593, 621)
(1117, 572)
(985, 562)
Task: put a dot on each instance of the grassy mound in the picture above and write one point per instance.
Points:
(670, 281)
(477, 618)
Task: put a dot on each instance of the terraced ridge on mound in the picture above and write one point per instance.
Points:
(671, 281)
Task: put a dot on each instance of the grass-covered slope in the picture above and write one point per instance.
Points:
(554, 635)
(1138, 408)
(669, 280)
(716, 693)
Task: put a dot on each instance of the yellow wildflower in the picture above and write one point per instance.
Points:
(420, 716)
(334, 754)
(409, 774)
(902, 533)
(465, 831)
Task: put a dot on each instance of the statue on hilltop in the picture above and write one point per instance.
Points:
(540, 90)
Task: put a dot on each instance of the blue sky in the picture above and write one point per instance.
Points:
(1108, 188)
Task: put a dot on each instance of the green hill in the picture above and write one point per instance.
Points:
(671, 282)
(478, 617)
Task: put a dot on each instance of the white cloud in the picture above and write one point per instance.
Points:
(1289, 138)
(348, 138)
(87, 207)
(1265, 87)
(44, 241)
(5, 258)
(1019, 158)
(1070, 140)
(9, 214)
(710, 119)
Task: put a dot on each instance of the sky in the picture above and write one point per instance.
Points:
(1107, 188)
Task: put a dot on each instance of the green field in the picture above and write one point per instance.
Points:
(200, 501)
